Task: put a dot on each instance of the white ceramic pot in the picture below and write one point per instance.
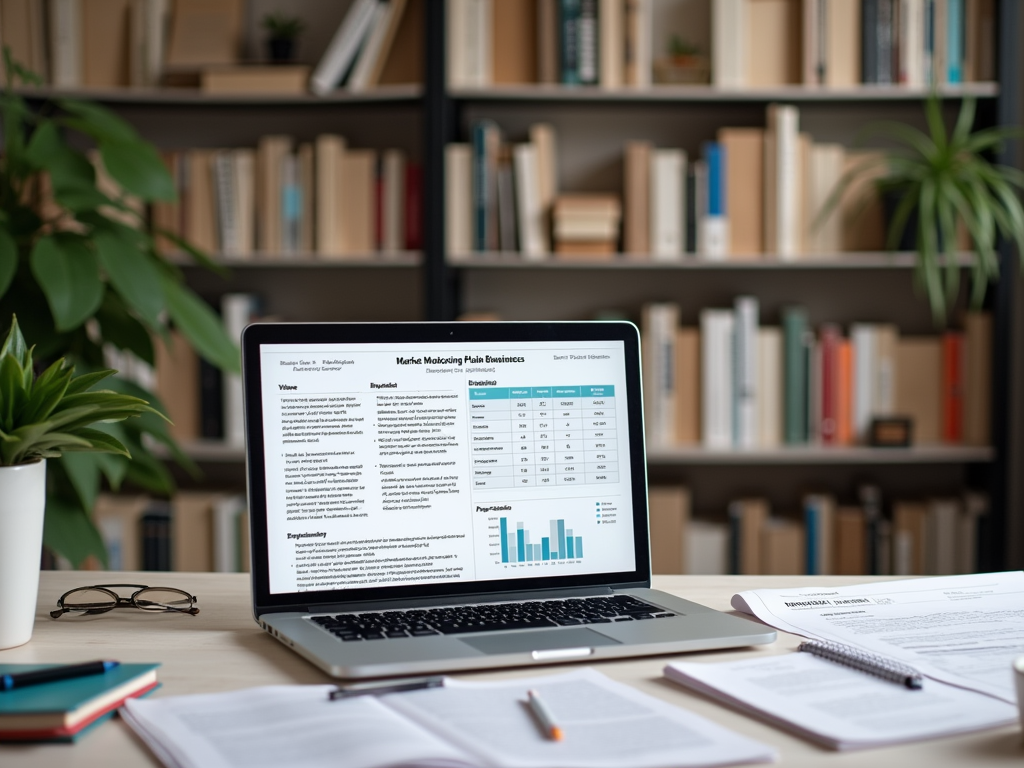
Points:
(22, 503)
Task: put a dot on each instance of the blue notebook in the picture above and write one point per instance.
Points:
(65, 709)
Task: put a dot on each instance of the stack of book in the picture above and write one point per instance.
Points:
(64, 710)
(734, 383)
(320, 198)
(586, 225)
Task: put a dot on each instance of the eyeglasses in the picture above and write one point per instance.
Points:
(100, 598)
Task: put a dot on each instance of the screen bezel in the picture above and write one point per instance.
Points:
(259, 334)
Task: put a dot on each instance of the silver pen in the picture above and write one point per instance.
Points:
(378, 687)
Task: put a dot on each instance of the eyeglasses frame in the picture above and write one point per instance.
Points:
(117, 601)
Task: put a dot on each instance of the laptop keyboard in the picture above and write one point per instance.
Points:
(489, 617)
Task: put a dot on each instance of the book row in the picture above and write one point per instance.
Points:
(752, 193)
(936, 536)
(735, 383)
(199, 43)
(194, 531)
(282, 199)
(729, 43)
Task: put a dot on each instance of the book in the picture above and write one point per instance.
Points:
(506, 202)
(824, 701)
(358, 201)
(62, 710)
(369, 64)
(658, 338)
(155, 536)
(104, 34)
(204, 33)
(770, 402)
(533, 232)
(667, 175)
(669, 512)
(636, 194)
(707, 548)
(237, 311)
(458, 199)
(825, 232)
(393, 165)
(22, 29)
(745, 373)
(548, 55)
(486, 146)
(515, 44)
(909, 521)
(747, 521)
(343, 47)
(819, 522)
(254, 79)
(781, 182)
(782, 547)
(942, 527)
(117, 518)
(714, 218)
(636, 70)
(423, 727)
(611, 22)
(842, 43)
(687, 381)
(716, 348)
(850, 555)
(773, 55)
(744, 189)
(177, 385)
(728, 44)
(952, 386)
(794, 388)
(830, 339)
(977, 425)
(919, 386)
(192, 530)
(328, 149)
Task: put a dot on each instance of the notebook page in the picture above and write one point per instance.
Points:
(282, 725)
(963, 630)
(838, 706)
(606, 725)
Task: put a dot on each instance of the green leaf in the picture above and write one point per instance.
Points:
(101, 441)
(201, 258)
(68, 531)
(123, 330)
(47, 392)
(137, 167)
(201, 327)
(113, 466)
(87, 380)
(964, 122)
(96, 121)
(68, 272)
(8, 260)
(68, 169)
(82, 198)
(133, 275)
(84, 473)
(15, 345)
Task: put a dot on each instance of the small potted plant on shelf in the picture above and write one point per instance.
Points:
(684, 64)
(937, 182)
(80, 269)
(282, 32)
(42, 417)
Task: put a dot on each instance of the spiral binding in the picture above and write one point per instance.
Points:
(888, 669)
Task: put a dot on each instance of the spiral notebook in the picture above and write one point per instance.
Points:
(838, 706)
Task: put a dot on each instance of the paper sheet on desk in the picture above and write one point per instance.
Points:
(963, 630)
(607, 725)
(838, 706)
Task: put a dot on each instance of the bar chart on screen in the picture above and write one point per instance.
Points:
(518, 546)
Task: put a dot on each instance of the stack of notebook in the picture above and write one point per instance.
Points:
(65, 709)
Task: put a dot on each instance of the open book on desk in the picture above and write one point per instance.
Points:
(606, 725)
(962, 630)
(840, 707)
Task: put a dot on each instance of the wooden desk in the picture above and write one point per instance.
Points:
(221, 649)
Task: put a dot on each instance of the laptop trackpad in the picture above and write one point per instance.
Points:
(524, 642)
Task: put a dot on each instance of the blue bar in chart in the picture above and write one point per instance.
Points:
(561, 545)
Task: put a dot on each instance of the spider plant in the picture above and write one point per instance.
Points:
(943, 179)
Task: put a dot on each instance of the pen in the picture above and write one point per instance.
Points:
(887, 669)
(52, 674)
(385, 686)
(543, 714)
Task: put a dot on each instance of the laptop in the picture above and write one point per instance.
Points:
(430, 497)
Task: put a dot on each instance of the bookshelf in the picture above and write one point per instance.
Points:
(592, 124)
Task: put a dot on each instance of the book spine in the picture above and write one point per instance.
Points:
(869, 41)
(952, 387)
(291, 204)
(794, 325)
(548, 65)
(413, 206)
(717, 377)
(482, 183)
(955, 41)
(884, 33)
(211, 401)
(588, 42)
(716, 221)
(569, 40)
(829, 427)
(745, 394)
(928, 57)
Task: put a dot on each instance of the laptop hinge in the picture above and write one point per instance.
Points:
(489, 597)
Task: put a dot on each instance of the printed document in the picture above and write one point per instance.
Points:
(963, 630)
(606, 725)
(840, 707)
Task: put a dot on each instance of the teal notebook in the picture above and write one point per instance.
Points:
(63, 710)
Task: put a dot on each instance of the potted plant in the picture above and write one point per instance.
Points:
(79, 268)
(282, 32)
(42, 417)
(939, 180)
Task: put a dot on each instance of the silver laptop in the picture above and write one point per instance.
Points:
(432, 497)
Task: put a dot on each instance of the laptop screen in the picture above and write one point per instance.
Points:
(396, 464)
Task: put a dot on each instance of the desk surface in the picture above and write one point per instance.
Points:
(222, 649)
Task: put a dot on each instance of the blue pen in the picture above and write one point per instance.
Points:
(53, 674)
